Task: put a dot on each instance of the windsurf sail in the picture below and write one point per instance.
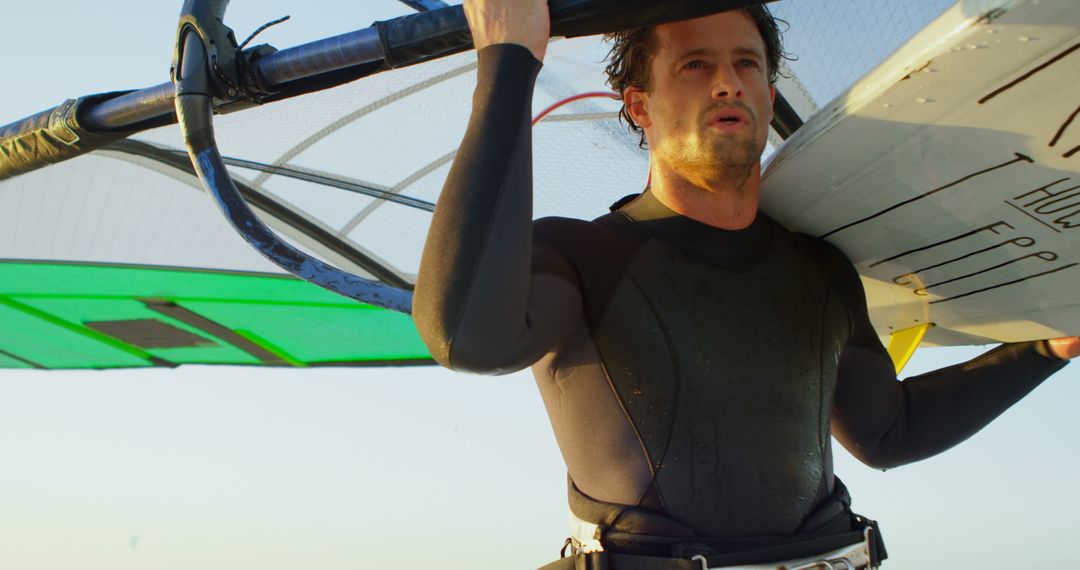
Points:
(117, 258)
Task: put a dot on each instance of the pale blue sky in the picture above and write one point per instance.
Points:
(275, 469)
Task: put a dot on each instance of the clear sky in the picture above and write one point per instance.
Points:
(276, 469)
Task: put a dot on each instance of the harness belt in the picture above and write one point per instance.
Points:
(856, 551)
(629, 538)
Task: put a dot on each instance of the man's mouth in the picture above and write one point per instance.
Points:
(729, 117)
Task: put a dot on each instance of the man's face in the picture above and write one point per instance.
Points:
(708, 109)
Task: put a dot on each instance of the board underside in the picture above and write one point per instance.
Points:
(950, 176)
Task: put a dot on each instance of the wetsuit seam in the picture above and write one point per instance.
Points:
(667, 247)
(677, 389)
(557, 275)
(633, 426)
(624, 275)
(821, 365)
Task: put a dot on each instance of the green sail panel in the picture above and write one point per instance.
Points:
(11, 362)
(76, 315)
(50, 343)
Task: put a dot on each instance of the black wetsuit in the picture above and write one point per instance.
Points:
(693, 376)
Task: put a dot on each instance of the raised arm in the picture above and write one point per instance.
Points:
(886, 423)
(480, 306)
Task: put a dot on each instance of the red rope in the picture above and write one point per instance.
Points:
(568, 100)
(578, 97)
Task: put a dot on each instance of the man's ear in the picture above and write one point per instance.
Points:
(637, 104)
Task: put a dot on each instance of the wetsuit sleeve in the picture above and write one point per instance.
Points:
(479, 304)
(886, 423)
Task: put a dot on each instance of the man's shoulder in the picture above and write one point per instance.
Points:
(594, 254)
(556, 224)
(821, 252)
(596, 251)
(832, 263)
(609, 230)
(836, 268)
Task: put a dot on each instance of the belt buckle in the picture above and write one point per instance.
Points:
(830, 564)
(842, 558)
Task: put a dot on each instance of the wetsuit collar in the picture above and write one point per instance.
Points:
(732, 249)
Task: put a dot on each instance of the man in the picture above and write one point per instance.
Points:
(694, 356)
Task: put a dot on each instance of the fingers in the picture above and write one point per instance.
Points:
(1065, 348)
(522, 22)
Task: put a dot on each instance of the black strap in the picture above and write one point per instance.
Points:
(877, 543)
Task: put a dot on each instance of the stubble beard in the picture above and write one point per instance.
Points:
(718, 160)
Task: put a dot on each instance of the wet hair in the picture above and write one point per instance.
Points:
(632, 51)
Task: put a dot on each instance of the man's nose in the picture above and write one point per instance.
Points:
(726, 83)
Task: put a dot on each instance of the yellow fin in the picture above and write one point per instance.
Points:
(902, 344)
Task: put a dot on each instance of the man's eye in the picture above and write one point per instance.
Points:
(695, 64)
(748, 63)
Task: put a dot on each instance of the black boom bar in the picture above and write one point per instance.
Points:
(81, 125)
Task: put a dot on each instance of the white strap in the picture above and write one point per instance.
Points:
(583, 535)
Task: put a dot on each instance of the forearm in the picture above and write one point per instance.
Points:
(888, 423)
(472, 301)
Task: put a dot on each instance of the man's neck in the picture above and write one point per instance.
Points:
(728, 203)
